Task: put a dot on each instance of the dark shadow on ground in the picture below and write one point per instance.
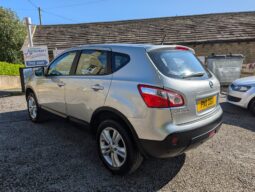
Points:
(237, 116)
(56, 155)
(8, 93)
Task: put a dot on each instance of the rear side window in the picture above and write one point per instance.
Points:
(119, 60)
(178, 64)
(92, 62)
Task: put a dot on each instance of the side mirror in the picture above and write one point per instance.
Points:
(40, 71)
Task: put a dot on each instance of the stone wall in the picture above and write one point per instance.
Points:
(245, 48)
(9, 82)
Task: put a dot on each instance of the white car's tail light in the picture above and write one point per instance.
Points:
(160, 98)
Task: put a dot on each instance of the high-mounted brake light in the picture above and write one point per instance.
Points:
(182, 48)
(160, 98)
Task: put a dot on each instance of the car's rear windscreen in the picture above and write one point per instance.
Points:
(178, 64)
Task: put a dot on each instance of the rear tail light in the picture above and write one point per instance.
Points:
(160, 98)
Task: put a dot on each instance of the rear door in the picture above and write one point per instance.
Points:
(88, 86)
(182, 72)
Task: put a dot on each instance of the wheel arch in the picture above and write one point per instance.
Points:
(251, 101)
(30, 90)
(103, 113)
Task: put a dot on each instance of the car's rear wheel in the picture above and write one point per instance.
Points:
(116, 148)
(252, 107)
(34, 110)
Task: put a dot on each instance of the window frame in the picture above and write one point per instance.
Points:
(55, 60)
(108, 63)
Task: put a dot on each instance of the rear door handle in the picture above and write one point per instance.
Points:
(97, 87)
(61, 84)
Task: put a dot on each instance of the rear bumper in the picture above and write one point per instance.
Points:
(185, 140)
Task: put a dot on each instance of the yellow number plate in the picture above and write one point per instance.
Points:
(206, 103)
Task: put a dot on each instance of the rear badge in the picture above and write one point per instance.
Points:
(211, 84)
(182, 110)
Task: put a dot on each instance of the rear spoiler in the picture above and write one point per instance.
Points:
(173, 47)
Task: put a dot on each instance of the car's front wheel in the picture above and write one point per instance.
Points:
(116, 148)
(33, 107)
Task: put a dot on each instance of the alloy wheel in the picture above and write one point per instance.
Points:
(113, 147)
(32, 107)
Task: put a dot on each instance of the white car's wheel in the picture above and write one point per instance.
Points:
(252, 106)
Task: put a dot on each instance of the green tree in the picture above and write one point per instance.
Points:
(12, 35)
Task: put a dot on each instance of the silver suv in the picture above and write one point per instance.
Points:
(141, 100)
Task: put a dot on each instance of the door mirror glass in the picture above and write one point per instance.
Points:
(39, 72)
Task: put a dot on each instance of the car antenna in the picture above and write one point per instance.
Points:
(163, 39)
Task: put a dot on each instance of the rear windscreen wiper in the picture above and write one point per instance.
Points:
(198, 74)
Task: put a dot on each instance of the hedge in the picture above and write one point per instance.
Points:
(9, 68)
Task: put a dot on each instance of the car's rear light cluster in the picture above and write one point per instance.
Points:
(160, 98)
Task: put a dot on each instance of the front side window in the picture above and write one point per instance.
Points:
(62, 65)
(178, 64)
(92, 62)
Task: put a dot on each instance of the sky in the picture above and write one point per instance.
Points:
(87, 11)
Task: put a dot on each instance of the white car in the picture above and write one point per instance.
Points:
(242, 93)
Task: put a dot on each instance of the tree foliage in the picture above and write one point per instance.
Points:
(12, 35)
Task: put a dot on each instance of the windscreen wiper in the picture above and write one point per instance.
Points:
(198, 74)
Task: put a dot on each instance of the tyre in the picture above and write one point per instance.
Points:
(252, 107)
(116, 148)
(34, 110)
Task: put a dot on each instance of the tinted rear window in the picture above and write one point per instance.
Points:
(178, 64)
(119, 60)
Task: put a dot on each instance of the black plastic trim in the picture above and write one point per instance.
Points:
(79, 121)
(109, 62)
(26, 91)
(75, 62)
(234, 99)
(186, 140)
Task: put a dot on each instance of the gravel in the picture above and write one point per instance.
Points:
(57, 155)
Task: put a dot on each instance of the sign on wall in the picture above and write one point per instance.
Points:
(36, 56)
